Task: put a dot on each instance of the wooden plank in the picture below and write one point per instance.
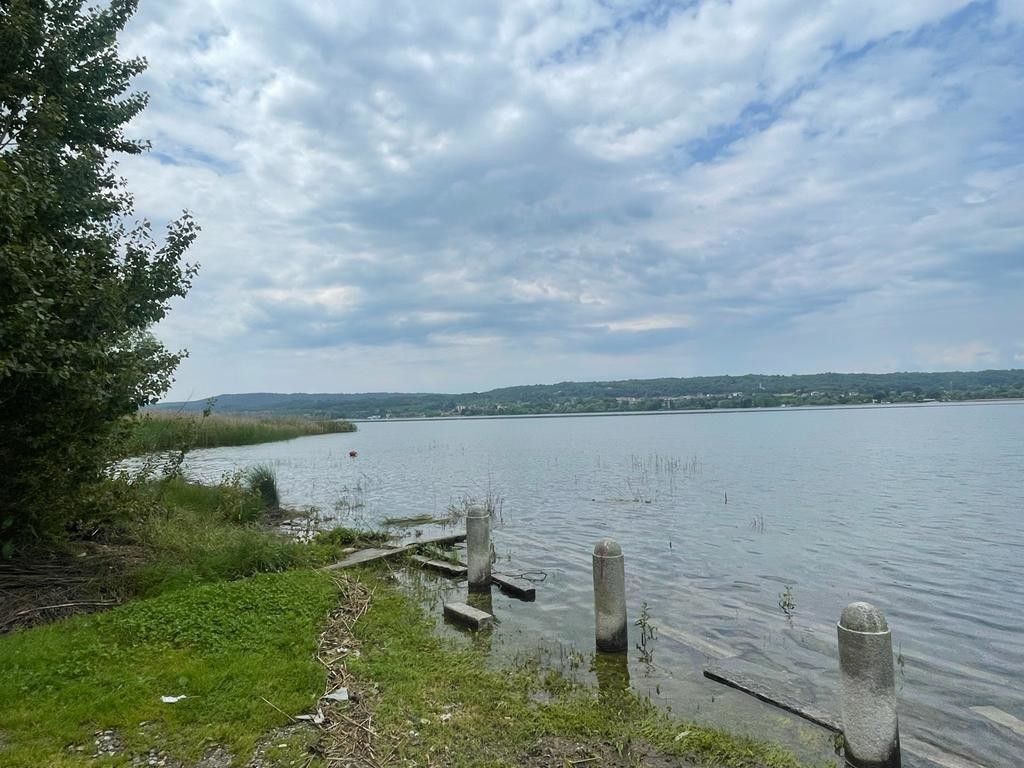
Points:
(519, 588)
(448, 569)
(771, 693)
(468, 615)
(380, 553)
(441, 541)
(365, 556)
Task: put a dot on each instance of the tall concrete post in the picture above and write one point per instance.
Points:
(867, 689)
(478, 548)
(609, 597)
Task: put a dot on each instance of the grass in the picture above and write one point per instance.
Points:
(228, 614)
(204, 534)
(466, 714)
(263, 480)
(242, 653)
(225, 646)
(164, 431)
(230, 617)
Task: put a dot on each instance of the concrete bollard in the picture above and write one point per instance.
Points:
(478, 548)
(610, 597)
(867, 689)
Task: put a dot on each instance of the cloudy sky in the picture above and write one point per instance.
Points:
(460, 195)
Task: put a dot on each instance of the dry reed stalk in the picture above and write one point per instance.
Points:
(349, 738)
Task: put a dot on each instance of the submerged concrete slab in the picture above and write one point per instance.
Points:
(519, 588)
(1005, 719)
(468, 615)
(934, 755)
(442, 566)
(771, 692)
(716, 650)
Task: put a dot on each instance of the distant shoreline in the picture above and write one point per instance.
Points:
(697, 411)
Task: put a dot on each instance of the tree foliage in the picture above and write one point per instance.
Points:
(80, 281)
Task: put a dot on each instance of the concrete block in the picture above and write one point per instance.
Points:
(442, 566)
(519, 588)
(468, 615)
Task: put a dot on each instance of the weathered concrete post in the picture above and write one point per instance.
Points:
(609, 597)
(478, 548)
(867, 689)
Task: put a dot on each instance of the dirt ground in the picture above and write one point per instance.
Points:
(38, 590)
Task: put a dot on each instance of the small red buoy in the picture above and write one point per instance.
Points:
(352, 454)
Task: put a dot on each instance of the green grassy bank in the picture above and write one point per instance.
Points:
(239, 621)
(160, 431)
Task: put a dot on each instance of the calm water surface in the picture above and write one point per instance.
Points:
(918, 510)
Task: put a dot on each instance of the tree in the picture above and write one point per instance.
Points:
(80, 282)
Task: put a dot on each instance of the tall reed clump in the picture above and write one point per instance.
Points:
(263, 480)
(200, 533)
(163, 431)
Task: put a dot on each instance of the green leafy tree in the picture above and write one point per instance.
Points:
(81, 282)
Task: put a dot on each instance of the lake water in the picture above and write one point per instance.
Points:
(919, 510)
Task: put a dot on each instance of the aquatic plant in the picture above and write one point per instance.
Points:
(786, 601)
(647, 633)
(263, 480)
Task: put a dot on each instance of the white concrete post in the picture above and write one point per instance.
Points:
(478, 548)
(610, 597)
(867, 689)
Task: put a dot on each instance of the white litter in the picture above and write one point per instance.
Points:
(341, 694)
(315, 719)
(171, 699)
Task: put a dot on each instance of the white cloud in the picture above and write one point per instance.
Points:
(971, 354)
(532, 176)
(649, 323)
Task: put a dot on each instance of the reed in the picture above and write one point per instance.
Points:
(164, 431)
(263, 480)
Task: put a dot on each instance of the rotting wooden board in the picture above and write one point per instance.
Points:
(771, 693)
(449, 569)
(519, 588)
(441, 541)
(468, 615)
(380, 553)
(365, 556)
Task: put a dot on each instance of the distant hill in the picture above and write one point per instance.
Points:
(699, 392)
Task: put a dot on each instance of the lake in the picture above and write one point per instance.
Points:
(918, 510)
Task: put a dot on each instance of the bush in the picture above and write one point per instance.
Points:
(78, 288)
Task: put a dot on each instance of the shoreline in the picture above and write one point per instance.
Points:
(699, 411)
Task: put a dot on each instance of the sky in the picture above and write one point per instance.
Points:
(462, 195)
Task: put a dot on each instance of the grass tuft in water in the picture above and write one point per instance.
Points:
(263, 480)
